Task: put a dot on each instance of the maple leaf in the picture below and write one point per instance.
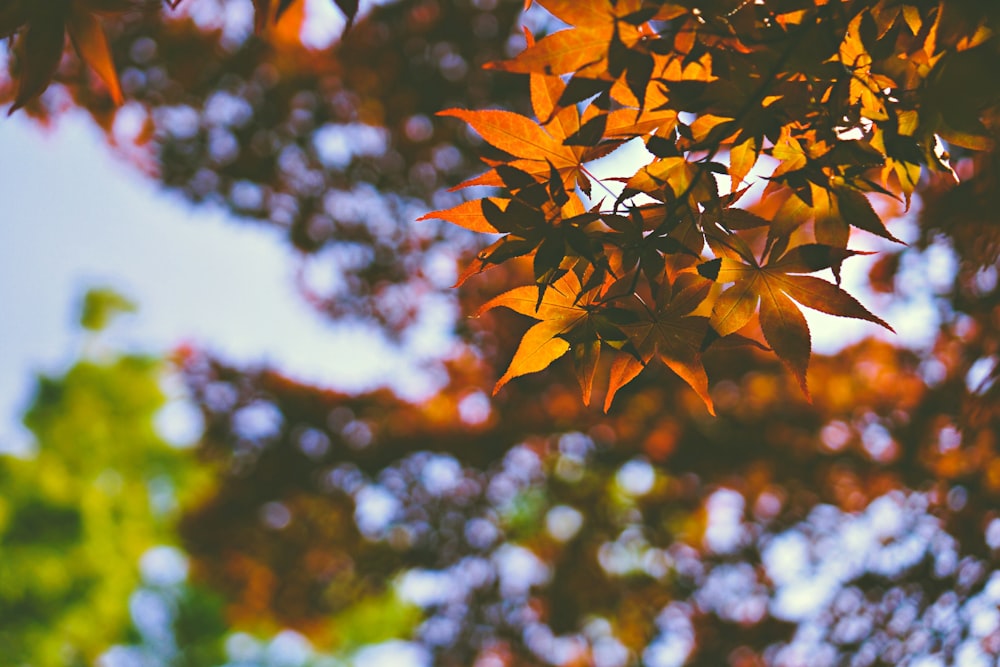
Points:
(546, 217)
(539, 217)
(566, 320)
(45, 26)
(668, 333)
(468, 215)
(742, 158)
(565, 140)
(632, 247)
(774, 286)
(585, 46)
(855, 209)
(866, 87)
(517, 135)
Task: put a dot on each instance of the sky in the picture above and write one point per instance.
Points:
(76, 216)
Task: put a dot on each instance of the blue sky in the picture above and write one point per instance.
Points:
(77, 216)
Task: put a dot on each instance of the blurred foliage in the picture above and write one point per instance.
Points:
(859, 529)
(101, 306)
(542, 521)
(173, 624)
(76, 516)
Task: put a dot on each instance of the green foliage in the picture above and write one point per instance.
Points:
(189, 634)
(101, 306)
(375, 619)
(76, 516)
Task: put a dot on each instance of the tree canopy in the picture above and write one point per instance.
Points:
(664, 189)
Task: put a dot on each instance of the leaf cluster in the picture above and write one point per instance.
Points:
(767, 127)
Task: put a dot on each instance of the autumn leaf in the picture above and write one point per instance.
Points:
(515, 134)
(41, 48)
(45, 27)
(856, 210)
(560, 311)
(534, 147)
(585, 45)
(561, 52)
(546, 217)
(468, 214)
(866, 87)
(88, 38)
(774, 286)
(539, 347)
(742, 158)
(671, 335)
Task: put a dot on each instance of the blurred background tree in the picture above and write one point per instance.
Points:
(311, 527)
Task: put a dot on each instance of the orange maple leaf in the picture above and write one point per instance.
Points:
(774, 286)
(583, 48)
(561, 312)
